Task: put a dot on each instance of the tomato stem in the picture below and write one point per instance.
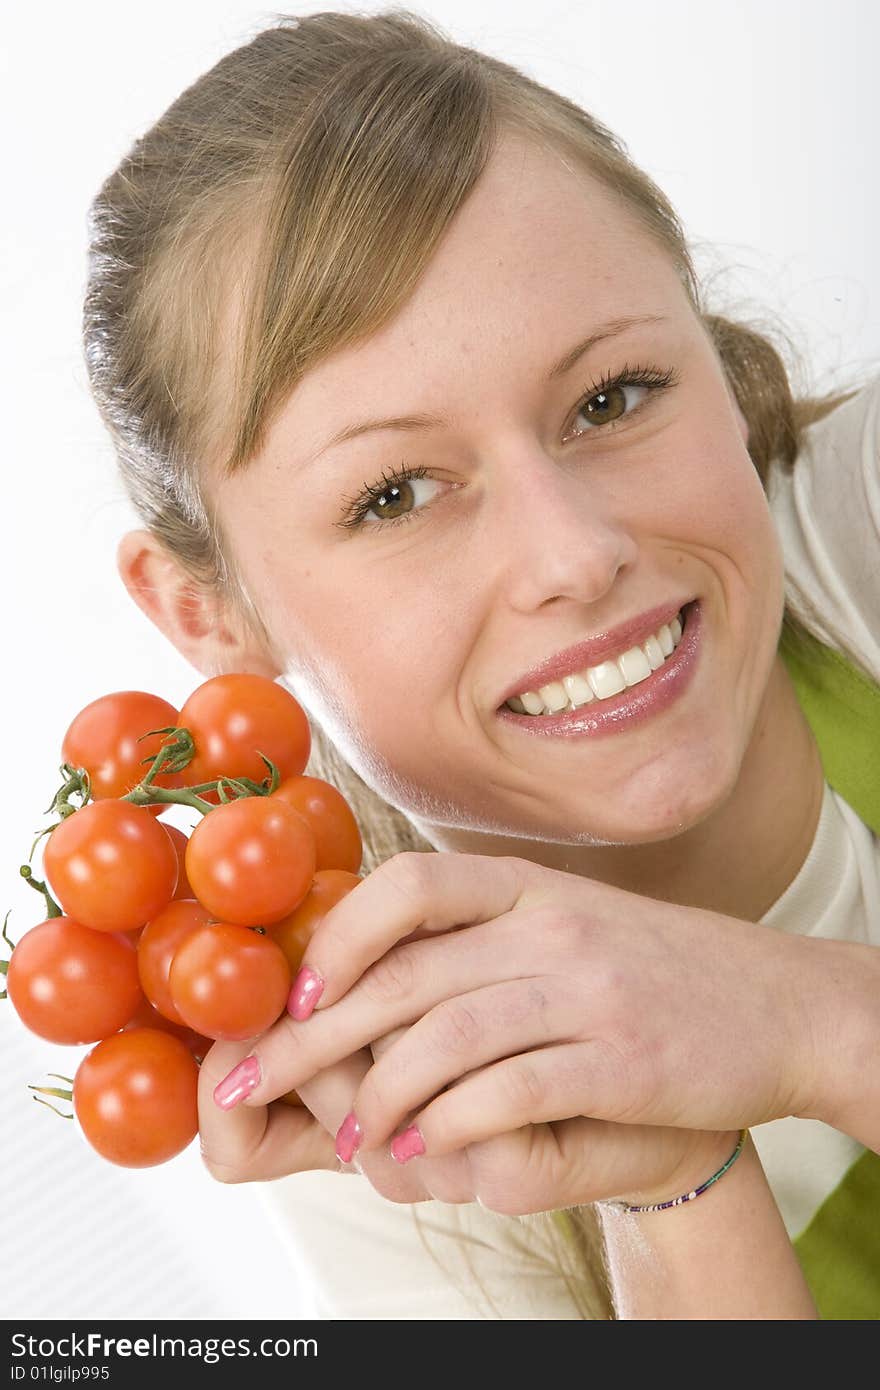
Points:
(54, 1091)
(175, 754)
(4, 964)
(171, 796)
(52, 908)
(77, 781)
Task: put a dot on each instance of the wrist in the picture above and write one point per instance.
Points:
(725, 1255)
(703, 1154)
(842, 1014)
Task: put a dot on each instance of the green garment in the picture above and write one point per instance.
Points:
(842, 706)
(839, 1251)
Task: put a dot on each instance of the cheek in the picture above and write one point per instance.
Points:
(370, 682)
(719, 499)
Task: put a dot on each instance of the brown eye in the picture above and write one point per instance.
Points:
(606, 406)
(388, 504)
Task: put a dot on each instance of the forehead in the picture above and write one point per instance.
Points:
(539, 253)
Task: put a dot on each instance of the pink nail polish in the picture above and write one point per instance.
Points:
(304, 993)
(238, 1084)
(348, 1138)
(407, 1145)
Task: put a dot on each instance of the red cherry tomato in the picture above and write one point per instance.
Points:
(72, 985)
(145, 1016)
(111, 866)
(338, 842)
(294, 932)
(103, 739)
(251, 861)
(180, 842)
(234, 718)
(229, 982)
(135, 1097)
(158, 941)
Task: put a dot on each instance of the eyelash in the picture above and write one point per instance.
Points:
(655, 380)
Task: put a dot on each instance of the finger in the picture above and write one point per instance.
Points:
(257, 1144)
(249, 1144)
(465, 1032)
(553, 1083)
(411, 892)
(379, 1046)
(395, 991)
(446, 1179)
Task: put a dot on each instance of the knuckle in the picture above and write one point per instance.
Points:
(456, 1028)
(446, 1183)
(410, 873)
(224, 1172)
(610, 983)
(376, 1097)
(561, 930)
(503, 1201)
(279, 1052)
(503, 1192)
(335, 941)
(524, 1087)
(636, 1070)
(501, 1170)
(393, 1186)
(390, 978)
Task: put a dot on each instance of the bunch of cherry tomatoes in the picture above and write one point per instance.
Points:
(159, 943)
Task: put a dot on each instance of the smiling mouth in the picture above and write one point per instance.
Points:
(609, 678)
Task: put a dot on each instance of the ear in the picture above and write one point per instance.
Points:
(191, 619)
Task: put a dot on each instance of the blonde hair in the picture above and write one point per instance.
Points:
(298, 190)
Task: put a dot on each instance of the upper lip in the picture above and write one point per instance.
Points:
(595, 649)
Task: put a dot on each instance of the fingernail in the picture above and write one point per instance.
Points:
(348, 1138)
(238, 1084)
(407, 1145)
(304, 993)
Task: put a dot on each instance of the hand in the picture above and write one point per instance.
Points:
(256, 1143)
(538, 1168)
(262, 1142)
(524, 997)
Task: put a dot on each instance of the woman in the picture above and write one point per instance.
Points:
(353, 237)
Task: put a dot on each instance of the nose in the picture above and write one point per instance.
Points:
(556, 533)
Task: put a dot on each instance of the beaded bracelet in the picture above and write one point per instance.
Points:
(688, 1196)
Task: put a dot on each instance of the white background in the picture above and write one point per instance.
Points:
(758, 118)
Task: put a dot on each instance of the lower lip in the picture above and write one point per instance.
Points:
(633, 705)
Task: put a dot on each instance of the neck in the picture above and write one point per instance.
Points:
(739, 859)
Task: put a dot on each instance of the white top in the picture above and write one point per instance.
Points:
(364, 1252)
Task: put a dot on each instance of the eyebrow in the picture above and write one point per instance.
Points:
(426, 422)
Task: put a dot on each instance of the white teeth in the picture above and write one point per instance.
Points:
(580, 691)
(599, 682)
(635, 666)
(606, 680)
(554, 695)
(533, 702)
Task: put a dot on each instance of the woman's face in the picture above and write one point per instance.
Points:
(535, 525)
